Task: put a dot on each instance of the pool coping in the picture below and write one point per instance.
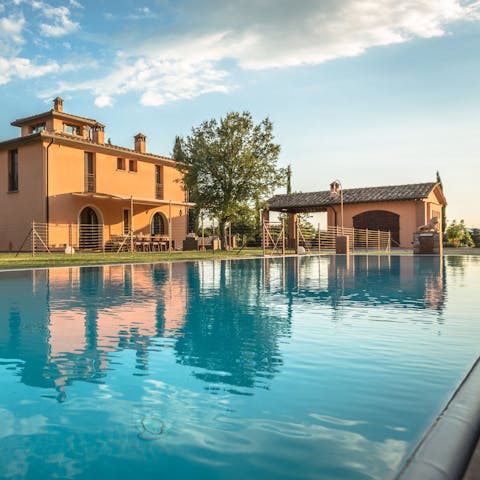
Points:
(445, 451)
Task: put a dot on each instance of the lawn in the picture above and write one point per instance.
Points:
(26, 260)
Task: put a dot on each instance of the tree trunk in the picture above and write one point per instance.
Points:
(224, 235)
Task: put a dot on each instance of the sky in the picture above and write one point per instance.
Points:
(370, 92)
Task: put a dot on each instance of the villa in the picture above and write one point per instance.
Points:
(61, 173)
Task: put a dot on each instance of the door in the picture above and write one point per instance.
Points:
(90, 232)
(380, 220)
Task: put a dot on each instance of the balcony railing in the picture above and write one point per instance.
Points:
(89, 182)
(159, 191)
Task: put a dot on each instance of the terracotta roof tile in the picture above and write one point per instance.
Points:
(311, 200)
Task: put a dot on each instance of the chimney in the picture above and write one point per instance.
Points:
(140, 143)
(58, 104)
(98, 134)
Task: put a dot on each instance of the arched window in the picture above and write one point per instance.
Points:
(158, 225)
(88, 216)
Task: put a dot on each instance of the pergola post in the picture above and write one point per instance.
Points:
(292, 230)
(131, 224)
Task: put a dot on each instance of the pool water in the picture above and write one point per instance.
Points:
(281, 368)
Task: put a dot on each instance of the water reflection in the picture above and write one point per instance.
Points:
(224, 320)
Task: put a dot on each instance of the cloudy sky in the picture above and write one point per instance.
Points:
(372, 92)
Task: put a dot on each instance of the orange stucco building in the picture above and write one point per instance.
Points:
(62, 172)
(399, 209)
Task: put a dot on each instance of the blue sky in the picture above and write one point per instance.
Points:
(375, 92)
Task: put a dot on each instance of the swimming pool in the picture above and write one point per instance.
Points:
(283, 368)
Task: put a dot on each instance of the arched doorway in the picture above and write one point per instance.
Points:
(158, 225)
(380, 220)
(90, 231)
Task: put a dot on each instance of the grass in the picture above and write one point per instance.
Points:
(44, 260)
(10, 261)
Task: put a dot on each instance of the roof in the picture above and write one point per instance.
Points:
(54, 113)
(66, 138)
(319, 201)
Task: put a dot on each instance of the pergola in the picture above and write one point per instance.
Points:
(323, 201)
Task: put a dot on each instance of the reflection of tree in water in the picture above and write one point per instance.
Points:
(229, 330)
(456, 265)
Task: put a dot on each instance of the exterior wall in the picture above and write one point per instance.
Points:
(412, 214)
(19, 209)
(67, 169)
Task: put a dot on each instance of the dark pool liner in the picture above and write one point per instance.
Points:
(447, 447)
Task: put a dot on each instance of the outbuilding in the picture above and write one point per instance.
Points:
(399, 209)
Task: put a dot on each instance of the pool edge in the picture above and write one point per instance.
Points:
(445, 450)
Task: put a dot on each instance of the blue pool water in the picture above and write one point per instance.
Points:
(296, 368)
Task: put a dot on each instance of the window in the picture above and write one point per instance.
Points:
(132, 165)
(72, 129)
(37, 128)
(89, 172)
(158, 225)
(13, 171)
(159, 182)
(120, 164)
(126, 221)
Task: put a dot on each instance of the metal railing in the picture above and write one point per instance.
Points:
(159, 191)
(70, 238)
(89, 182)
(275, 239)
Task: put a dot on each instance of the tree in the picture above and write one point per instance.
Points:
(289, 179)
(193, 213)
(229, 164)
(458, 235)
(475, 234)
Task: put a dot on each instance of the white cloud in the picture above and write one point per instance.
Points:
(156, 81)
(186, 62)
(278, 34)
(75, 4)
(23, 68)
(11, 29)
(60, 22)
(103, 101)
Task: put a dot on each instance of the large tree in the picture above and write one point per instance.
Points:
(228, 164)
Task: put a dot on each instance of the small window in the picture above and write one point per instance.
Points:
(120, 164)
(13, 171)
(132, 165)
(72, 129)
(37, 128)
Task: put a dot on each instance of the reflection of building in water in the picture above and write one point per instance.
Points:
(88, 313)
(418, 282)
(228, 318)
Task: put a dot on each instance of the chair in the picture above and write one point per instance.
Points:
(146, 243)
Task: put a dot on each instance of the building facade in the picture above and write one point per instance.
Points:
(398, 209)
(61, 171)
